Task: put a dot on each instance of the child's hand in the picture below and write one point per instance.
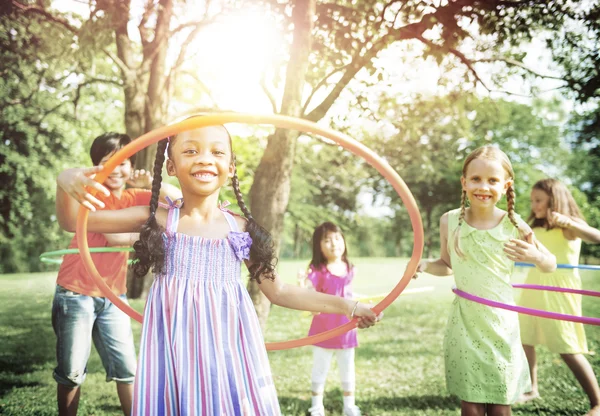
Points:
(522, 251)
(74, 182)
(140, 178)
(559, 220)
(366, 316)
(421, 267)
(301, 277)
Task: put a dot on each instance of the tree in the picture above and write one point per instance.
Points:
(348, 38)
(43, 116)
(576, 52)
(433, 135)
(139, 68)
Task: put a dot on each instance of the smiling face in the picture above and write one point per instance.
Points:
(201, 159)
(118, 178)
(485, 182)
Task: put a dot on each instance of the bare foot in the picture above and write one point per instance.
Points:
(532, 395)
(594, 411)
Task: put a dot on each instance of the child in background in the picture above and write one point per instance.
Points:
(558, 224)
(202, 351)
(485, 364)
(331, 272)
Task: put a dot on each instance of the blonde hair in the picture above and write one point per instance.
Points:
(560, 200)
(488, 152)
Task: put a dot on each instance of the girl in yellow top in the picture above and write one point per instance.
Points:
(559, 226)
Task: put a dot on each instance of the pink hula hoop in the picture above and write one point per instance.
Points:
(536, 312)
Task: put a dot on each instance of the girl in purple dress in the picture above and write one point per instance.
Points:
(330, 272)
(202, 351)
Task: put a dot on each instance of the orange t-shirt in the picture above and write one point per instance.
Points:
(111, 266)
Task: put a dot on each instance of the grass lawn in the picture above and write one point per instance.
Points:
(399, 365)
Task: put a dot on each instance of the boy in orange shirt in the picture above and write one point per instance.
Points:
(80, 313)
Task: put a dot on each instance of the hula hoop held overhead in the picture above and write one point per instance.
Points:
(281, 122)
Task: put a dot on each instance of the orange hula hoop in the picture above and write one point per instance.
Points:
(280, 122)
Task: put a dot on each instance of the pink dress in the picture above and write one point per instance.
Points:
(326, 282)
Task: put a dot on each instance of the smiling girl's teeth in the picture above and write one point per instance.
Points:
(204, 175)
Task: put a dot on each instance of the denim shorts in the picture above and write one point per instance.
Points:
(77, 320)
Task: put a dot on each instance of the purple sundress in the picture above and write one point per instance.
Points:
(202, 351)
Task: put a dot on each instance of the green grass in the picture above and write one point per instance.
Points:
(399, 364)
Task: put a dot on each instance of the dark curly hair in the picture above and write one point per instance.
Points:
(150, 251)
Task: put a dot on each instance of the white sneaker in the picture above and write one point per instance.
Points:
(351, 411)
(317, 411)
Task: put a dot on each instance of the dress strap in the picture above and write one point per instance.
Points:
(228, 216)
(232, 222)
(172, 219)
(173, 215)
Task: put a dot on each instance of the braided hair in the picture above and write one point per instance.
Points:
(491, 153)
(150, 252)
(149, 249)
(262, 251)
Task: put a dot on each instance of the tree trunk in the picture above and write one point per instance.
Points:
(145, 95)
(270, 190)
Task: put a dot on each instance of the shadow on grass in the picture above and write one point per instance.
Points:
(28, 342)
(372, 406)
(429, 402)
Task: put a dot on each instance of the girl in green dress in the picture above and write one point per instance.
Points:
(485, 363)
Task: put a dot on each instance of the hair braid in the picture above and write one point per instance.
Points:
(235, 183)
(510, 205)
(149, 249)
(262, 251)
(461, 218)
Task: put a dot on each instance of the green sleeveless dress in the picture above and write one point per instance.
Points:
(484, 358)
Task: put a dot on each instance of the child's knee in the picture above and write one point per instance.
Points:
(74, 378)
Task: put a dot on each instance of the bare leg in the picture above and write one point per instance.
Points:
(68, 399)
(532, 361)
(584, 373)
(125, 392)
(472, 409)
(498, 410)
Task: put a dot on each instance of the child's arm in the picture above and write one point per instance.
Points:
(294, 297)
(121, 239)
(441, 266)
(576, 228)
(127, 220)
(530, 250)
(71, 191)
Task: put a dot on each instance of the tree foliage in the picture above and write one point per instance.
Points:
(45, 113)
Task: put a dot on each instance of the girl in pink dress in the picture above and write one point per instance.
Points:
(330, 272)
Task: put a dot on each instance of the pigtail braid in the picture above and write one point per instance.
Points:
(149, 249)
(510, 205)
(461, 218)
(510, 208)
(262, 251)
